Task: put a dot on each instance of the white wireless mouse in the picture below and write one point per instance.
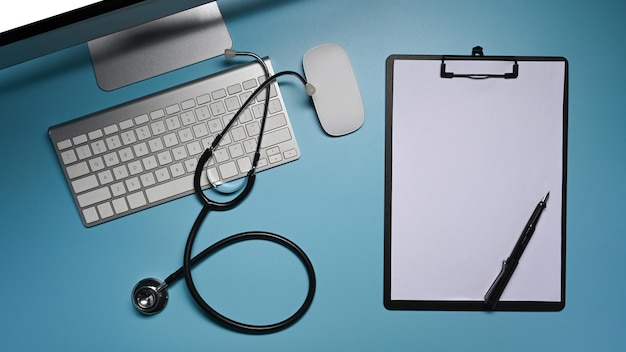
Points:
(337, 98)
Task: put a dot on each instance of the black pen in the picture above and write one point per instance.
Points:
(508, 266)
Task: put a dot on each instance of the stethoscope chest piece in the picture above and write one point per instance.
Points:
(150, 296)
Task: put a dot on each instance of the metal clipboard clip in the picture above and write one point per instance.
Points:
(477, 55)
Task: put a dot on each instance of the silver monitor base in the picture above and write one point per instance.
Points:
(160, 46)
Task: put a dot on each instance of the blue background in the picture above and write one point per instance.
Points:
(66, 287)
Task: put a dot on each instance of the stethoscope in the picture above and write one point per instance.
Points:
(150, 295)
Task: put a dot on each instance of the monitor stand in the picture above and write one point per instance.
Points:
(160, 46)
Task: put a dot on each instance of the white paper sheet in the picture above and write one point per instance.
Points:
(471, 160)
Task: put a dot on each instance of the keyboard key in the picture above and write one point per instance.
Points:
(95, 134)
(275, 137)
(218, 94)
(90, 215)
(105, 210)
(84, 184)
(275, 106)
(118, 189)
(158, 128)
(235, 150)
(126, 154)
(120, 172)
(249, 84)
(83, 152)
(136, 200)
(234, 89)
(135, 167)
(194, 148)
(93, 197)
(162, 175)
(126, 124)
(140, 149)
(147, 179)
(245, 96)
(220, 155)
(155, 145)
(238, 133)
(172, 109)
(188, 104)
(275, 158)
(120, 205)
(244, 164)
(257, 110)
(142, 119)
(110, 129)
(179, 153)
(250, 145)
(164, 157)
(96, 164)
(253, 129)
(80, 139)
(172, 123)
(215, 125)
(275, 121)
(200, 130)
(188, 118)
(228, 170)
(170, 140)
(203, 99)
(177, 170)
(77, 170)
(111, 159)
(149, 163)
(64, 144)
(172, 188)
(190, 164)
(246, 116)
(132, 184)
(185, 135)
(291, 153)
(68, 156)
(217, 108)
(157, 114)
(143, 133)
(98, 147)
(113, 142)
(128, 137)
(203, 113)
(105, 177)
(272, 151)
(232, 103)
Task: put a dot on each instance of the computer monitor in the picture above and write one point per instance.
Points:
(33, 28)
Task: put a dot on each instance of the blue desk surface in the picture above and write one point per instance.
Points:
(66, 287)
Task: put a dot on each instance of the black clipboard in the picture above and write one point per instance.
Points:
(472, 143)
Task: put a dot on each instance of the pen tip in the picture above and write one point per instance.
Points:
(545, 198)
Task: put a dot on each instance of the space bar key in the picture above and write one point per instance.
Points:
(172, 188)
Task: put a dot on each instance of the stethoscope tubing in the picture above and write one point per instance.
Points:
(189, 262)
(211, 205)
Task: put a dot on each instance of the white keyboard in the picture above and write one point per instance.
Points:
(143, 153)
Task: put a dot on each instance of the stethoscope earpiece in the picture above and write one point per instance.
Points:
(150, 296)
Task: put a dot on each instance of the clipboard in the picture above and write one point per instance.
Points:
(472, 143)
